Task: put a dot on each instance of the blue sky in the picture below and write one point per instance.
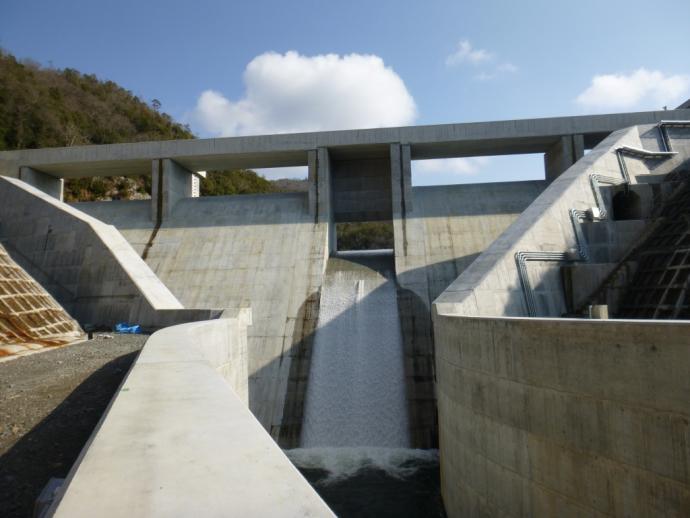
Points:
(231, 68)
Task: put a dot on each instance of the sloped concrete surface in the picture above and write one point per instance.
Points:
(88, 266)
(178, 440)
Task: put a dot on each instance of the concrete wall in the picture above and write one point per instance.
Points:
(438, 232)
(264, 251)
(85, 264)
(170, 183)
(178, 438)
(551, 417)
(562, 155)
(361, 190)
(554, 417)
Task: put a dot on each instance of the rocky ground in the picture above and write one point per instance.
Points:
(49, 405)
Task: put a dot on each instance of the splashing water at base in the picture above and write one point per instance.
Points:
(373, 482)
(342, 463)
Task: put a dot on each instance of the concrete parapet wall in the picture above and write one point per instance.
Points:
(553, 417)
(86, 265)
(179, 440)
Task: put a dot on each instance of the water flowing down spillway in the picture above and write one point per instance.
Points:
(356, 390)
(355, 443)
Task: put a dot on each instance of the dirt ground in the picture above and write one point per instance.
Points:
(49, 405)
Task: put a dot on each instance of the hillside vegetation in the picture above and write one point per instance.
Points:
(45, 107)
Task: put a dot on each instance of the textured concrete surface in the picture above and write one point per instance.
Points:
(88, 266)
(562, 155)
(170, 183)
(196, 449)
(550, 417)
(438, 232)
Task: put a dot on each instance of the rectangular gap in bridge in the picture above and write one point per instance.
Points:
(107, 188)
(364, 235)
(479, 169)
(254, 181)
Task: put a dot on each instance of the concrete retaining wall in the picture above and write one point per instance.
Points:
(179, 440)
(552, 417)
(85, 264)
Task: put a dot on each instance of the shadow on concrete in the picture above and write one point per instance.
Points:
(206, 211)
(53, 445)
(477, 199)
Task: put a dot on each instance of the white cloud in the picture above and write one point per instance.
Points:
(641, 88)
(454, 166)
(289, 92)
(465, 53)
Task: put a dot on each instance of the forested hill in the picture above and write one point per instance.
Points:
(45, 107)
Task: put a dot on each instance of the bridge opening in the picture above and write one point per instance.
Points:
(229, 182)
(478, 169)
(364, 235)
(107, 188)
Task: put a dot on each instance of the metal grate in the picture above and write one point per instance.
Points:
(660, 287)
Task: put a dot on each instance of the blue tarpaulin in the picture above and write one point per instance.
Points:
(133, 329)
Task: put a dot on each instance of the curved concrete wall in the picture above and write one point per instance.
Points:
(179, 440)
(555, 417)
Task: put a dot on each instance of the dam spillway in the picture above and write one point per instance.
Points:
(356, 390)
(491, 276)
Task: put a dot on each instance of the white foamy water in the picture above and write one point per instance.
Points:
(356, 390)
(343, 463)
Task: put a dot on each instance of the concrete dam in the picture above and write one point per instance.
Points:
(468, 337)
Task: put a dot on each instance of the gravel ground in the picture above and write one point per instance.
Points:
(49, 405)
